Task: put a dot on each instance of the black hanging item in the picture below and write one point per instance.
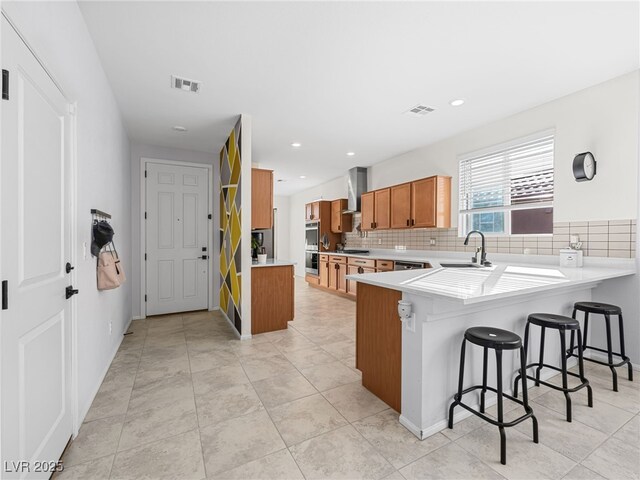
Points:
(102, 235)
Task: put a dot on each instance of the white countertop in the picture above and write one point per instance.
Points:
(272, 263)
(501, 280)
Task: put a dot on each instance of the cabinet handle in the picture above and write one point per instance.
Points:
(413, 222)
(408, 222)
(371, 224)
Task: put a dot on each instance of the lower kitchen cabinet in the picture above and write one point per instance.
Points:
(272, 298)
(379, 342)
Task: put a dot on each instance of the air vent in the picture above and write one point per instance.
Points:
(185, 84)
(420, 110)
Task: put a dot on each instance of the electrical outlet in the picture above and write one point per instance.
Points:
(432, 241)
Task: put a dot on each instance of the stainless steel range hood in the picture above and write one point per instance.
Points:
(356, 186)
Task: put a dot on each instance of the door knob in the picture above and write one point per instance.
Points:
(204, 257)
(70, 292)
(68, 267)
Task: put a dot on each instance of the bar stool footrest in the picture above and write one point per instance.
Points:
(625, 360)
(512, 423)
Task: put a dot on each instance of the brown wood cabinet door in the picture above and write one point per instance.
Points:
(401, 206)
(367, 204)
(352, 284)
(336, 216)
(341, 282)
(324, 274)
(423, 205)
(382, 209)
(261, 198)
(315, 211)
(333, 275)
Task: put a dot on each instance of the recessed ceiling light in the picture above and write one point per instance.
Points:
(457, 102)
(179, 128)
(303, 176)
(350, 154)
(296, 144)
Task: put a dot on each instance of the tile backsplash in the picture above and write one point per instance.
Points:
(606, 238)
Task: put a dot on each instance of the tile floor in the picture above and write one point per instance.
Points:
(185, 399)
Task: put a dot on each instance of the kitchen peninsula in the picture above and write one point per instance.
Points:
(272, 295)
(425, 348)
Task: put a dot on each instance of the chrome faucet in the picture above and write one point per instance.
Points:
(483, 250)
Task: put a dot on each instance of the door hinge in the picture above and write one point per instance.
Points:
(145, 257)
(5, 294)
(145, 215)
(209, 216)
(5, 84)
(145, 298)
(145, 174)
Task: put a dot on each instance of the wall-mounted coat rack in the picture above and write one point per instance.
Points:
(100, 213)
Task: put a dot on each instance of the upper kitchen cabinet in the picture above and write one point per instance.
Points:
(401, 206)
(383, 209)
(312, 211)
(261, 198)
(340, 222)
(431, 202)
(376, 209)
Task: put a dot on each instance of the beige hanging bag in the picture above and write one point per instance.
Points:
(107, 271)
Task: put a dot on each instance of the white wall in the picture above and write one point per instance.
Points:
(283, 234)
(57, 33)
(141, 150)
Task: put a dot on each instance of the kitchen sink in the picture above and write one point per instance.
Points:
(460, 265)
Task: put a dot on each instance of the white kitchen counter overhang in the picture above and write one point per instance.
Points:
(447, 301)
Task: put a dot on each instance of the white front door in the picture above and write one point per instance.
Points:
(35, 373)
(177, 238)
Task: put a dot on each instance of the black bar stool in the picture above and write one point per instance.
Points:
(498, 340)
(606, 310)
(562, 324)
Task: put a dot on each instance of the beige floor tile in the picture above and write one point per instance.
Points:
(292, 343)
(354, 401)
(259, 367)
(602, 416)
(283, 388)
(580, 472)
(97, 469)
(397, 444)
(172, 391)
(329, 375)
(394, 476)
(615, 459)
(176, 457)
(341, 453)
(211, 380)
(305, 418)
(276, 466)
(109, 403)
(95, 440)
(463, 427)
(574, 440)
(156, 424)
(200, 361)
(254, 348)
(449, 461)
(341, 350)
(235, 442)
(630, 432)
(225, 403)
(525, 459)
(311, 357)
(626, 398)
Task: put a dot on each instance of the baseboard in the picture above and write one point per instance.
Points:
(233, 327)
(213, 309)
(461, 413)
(136, 317)
(602, 357)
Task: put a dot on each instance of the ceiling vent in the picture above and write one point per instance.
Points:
(419, 111)
(185, 84)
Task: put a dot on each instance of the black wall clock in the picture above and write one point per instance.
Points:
(584, 167)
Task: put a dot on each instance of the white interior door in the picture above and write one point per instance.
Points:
(35, 374)
(177, 238)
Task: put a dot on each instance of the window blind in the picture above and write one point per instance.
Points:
(514, 176)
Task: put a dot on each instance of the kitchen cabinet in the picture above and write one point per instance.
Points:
(323, 270)
(272, 298)
(401, 206)
(384, 265)
(376, 209)
(261, 198)
(383, 209)
(431, 202)
(351, 285)
(340, 222)
(312, 211)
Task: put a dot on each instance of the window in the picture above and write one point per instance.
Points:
(508, 189)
